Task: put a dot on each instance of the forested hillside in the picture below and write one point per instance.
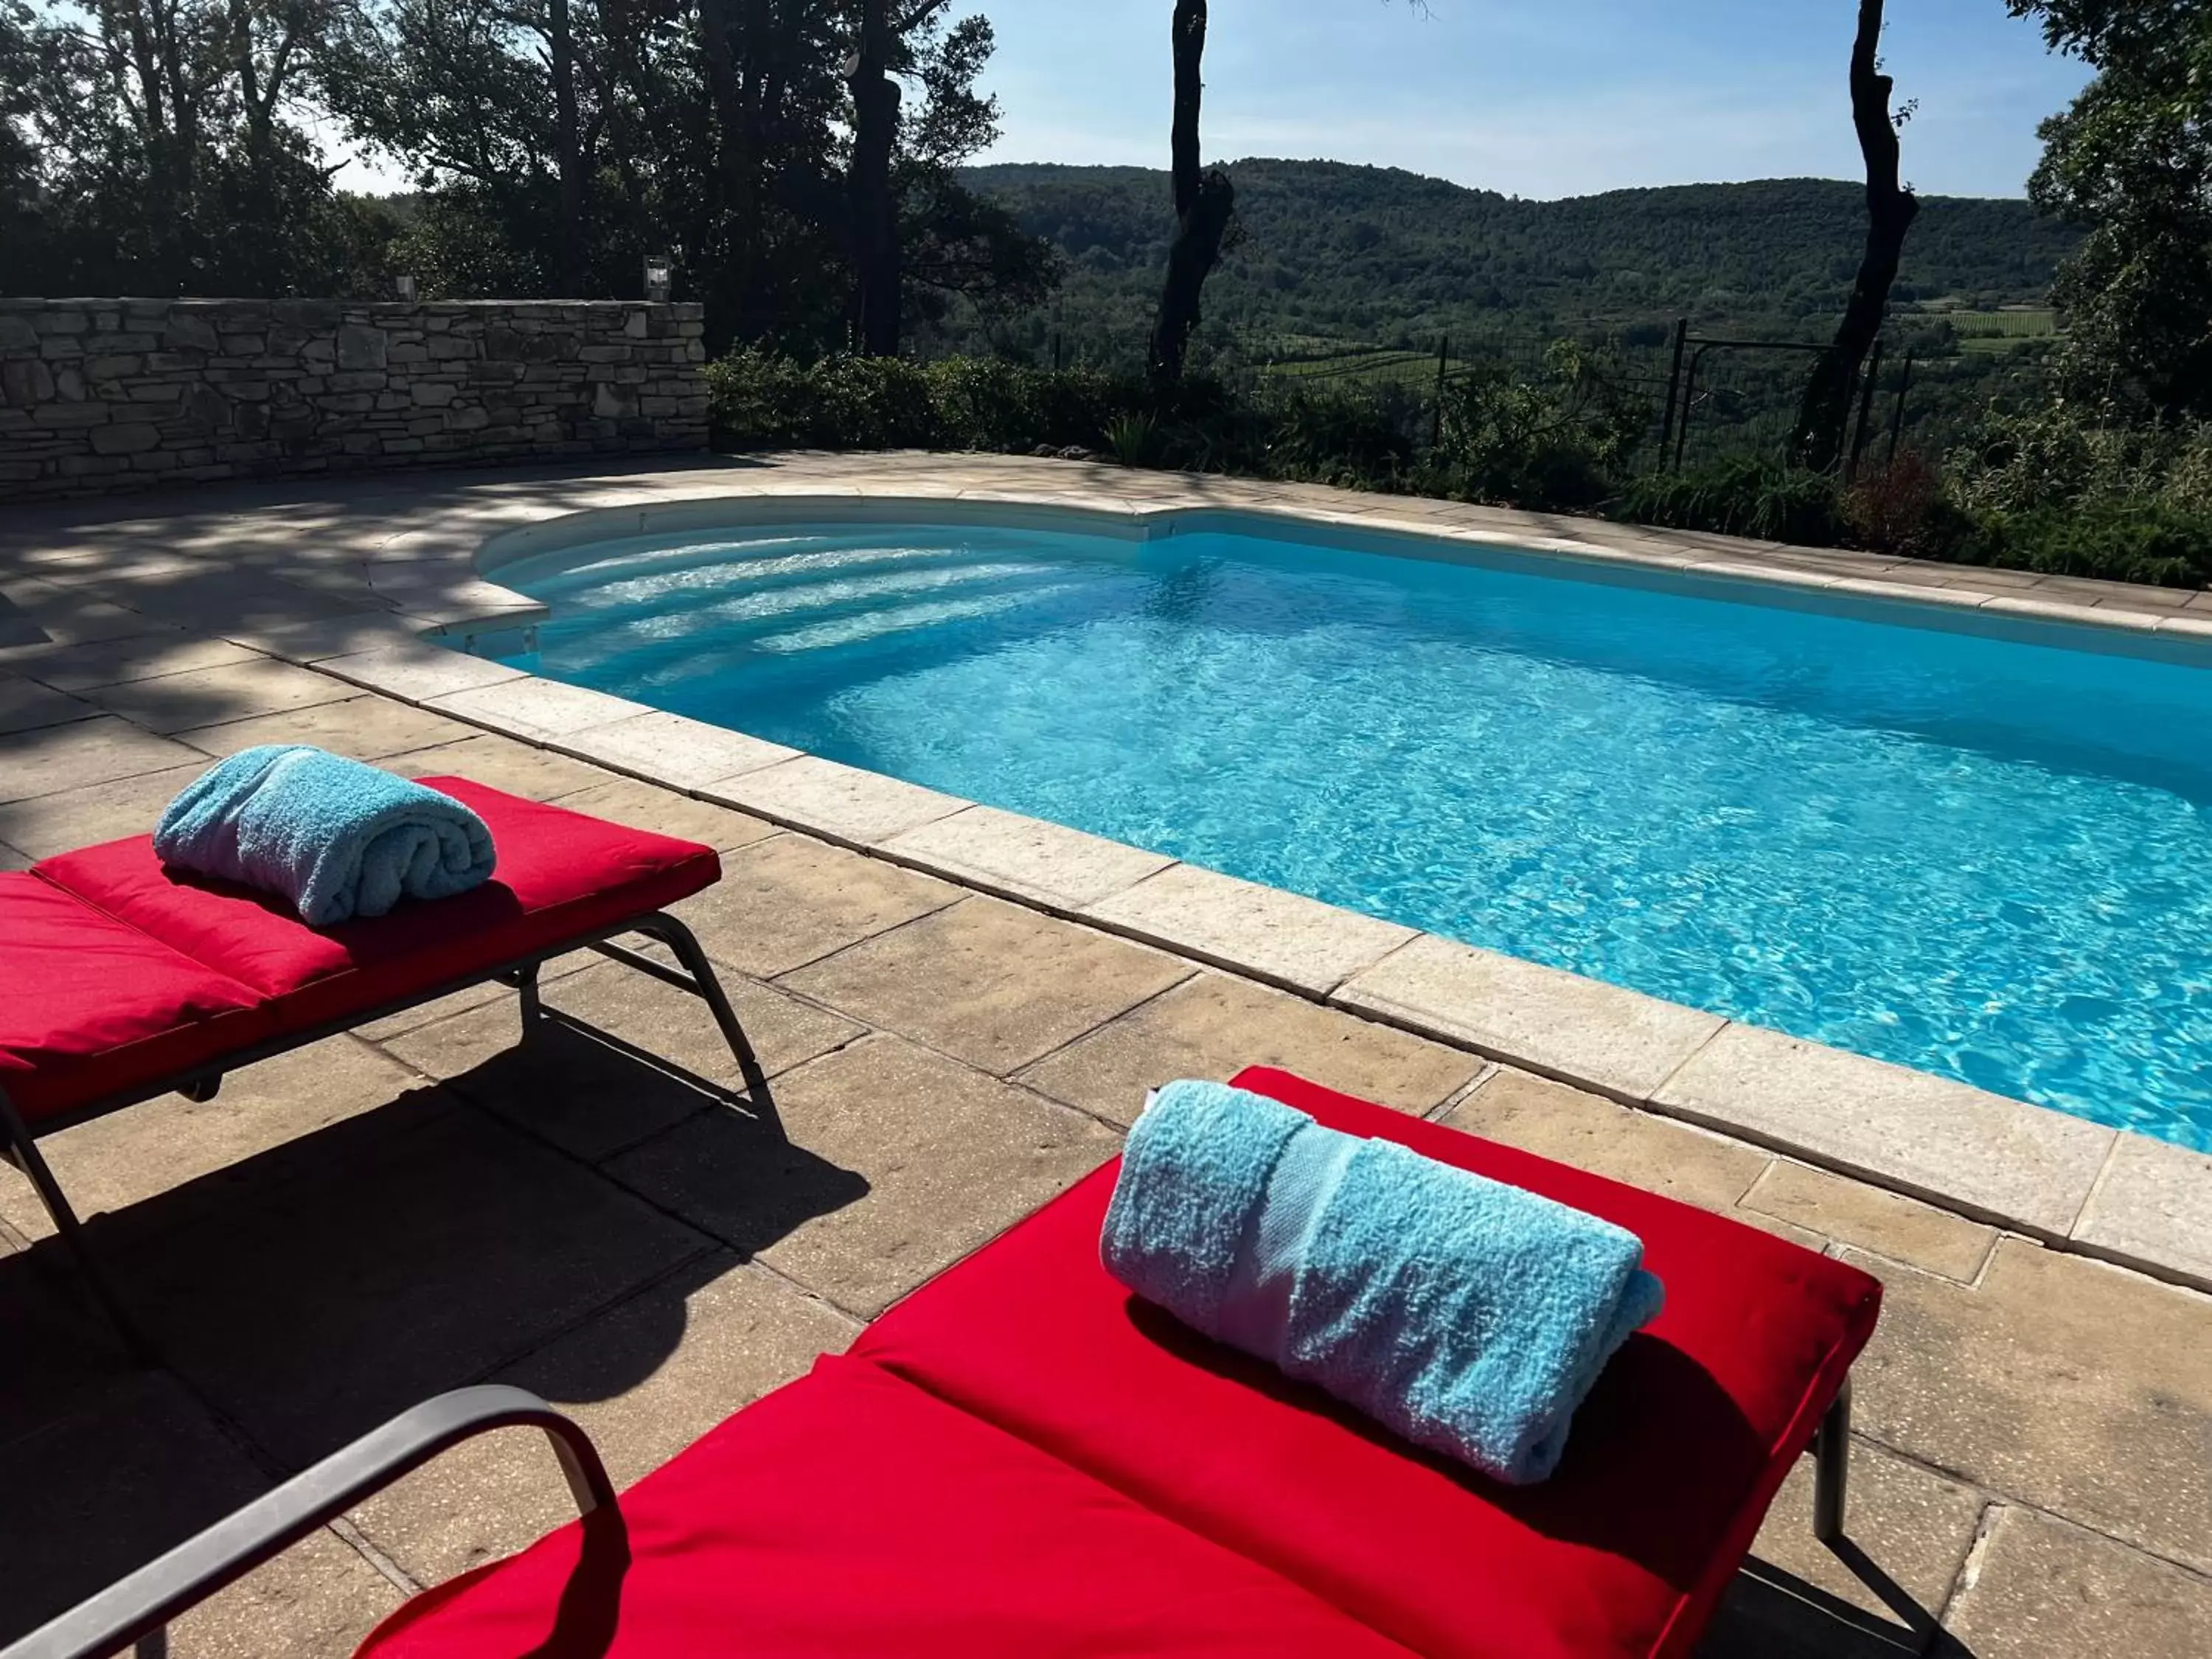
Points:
(1377, 255)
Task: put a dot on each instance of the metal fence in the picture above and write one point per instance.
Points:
(1705, 399)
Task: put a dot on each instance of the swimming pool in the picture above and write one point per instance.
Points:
(1979, 849)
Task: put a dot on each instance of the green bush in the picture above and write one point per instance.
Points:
(1741, 498)
(1359, 437)
(762, 399)
(2116, 540)
(2048, 491)
(1563, 441)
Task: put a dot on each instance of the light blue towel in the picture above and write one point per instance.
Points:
(1469, 1316)
(337, 838)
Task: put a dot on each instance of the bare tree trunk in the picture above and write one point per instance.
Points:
(570, 266)
(1203, 201)
(733, 151)
(876, 284)
(1826, 412)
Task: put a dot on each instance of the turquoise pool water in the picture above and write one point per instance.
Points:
(1985, 856)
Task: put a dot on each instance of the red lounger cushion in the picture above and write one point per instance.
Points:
(852, 1516)
(561, 875)
(1672, 1461)
(1020, 1460)
(89, 1007)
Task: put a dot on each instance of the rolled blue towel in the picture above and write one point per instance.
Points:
(1469, 1316)
(337, 838)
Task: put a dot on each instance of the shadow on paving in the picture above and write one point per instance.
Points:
(302, 1296)
(1768, 1613)
(566, 485)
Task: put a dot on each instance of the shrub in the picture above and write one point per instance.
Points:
(1134, 439)
(1355, 435)
(2027, 460)
(762, 399)
(1741, 498)
(2118, 541)
(2051, 489)
(1562, 441)
(1900, 508)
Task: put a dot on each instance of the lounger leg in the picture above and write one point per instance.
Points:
(23, 1152)
(1831, 1468)
(525, 988)
(680, 939)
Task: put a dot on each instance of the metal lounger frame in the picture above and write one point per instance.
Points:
(139, 1608)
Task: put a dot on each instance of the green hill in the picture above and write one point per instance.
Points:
(1379, 256)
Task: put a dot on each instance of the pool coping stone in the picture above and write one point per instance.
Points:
(2066, 1181)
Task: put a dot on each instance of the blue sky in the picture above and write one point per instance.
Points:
(1539, 98)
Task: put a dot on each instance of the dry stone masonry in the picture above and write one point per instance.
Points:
(98, 395)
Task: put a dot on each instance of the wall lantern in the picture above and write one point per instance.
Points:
(404, 288)
(660, 278)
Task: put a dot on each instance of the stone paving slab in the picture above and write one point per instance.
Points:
(535, 708)
(46, 825)
(1261, 931)
(838, 801)
(1213, 1025)
(1851, 1212)
(680, 752)
(1045, 863)
(926, 1161)
(2153, 1206)
(55, 758)
(175, 1470)
(788, 901)
(436, 1244)
(418, 672)
(593, 1099)
(1915, 1524)
(366, 728)
(36, 615)
(645, 1379)
(26, 706)
(211, 696)
(517, 768)
(147, 657)
(2044, 1590)
(2057, 1381)
(987, 983)
(103, 1165)
(628, 801)
(1596, 1035)
(1943, 1140)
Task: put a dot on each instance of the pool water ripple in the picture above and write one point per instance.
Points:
(1980, 856)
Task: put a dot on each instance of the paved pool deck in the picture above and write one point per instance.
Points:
(959, 1012)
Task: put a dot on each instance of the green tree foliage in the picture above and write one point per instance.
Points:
(2132, 160)
(720, 136)
(1376, 254)
(152, 147)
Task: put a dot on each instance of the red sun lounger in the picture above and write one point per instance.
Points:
(121, 980)
(1022, 1459)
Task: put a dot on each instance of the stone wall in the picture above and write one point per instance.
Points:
(97, 395)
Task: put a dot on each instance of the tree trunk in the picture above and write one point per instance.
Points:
(570, 257)
(1826, 413)
(876, 286)
(738, 152)
(1203, 201)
